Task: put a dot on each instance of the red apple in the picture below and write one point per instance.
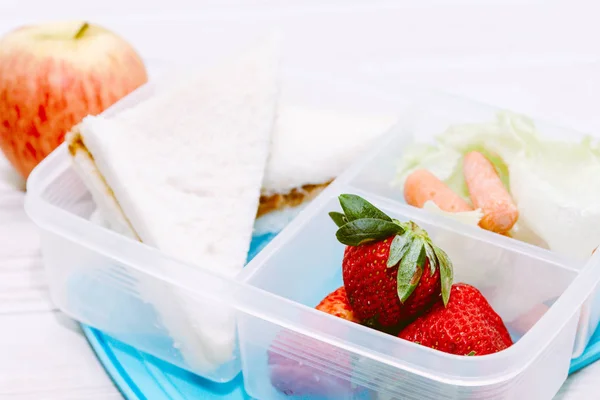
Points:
(51, 76)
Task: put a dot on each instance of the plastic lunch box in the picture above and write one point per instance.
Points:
(120, 286)
(97, 276)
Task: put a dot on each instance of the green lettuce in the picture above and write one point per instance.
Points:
(555, 183)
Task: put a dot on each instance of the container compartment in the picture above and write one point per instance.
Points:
(429, 116)
(290, 350)
(93, 280)
(145, 301)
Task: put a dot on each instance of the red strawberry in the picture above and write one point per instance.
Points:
(336, 303)
(304, 373)
(374, 286)
(392, 271)
(297, 377)
(467, 325)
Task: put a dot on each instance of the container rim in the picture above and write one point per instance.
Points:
(499, 367)
(516, 358)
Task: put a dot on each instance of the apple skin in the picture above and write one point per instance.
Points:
(51, 77)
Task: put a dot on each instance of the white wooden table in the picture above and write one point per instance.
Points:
(43, 354)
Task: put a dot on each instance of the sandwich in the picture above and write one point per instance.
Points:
(197, 169)
(310, 148)
(182, 172)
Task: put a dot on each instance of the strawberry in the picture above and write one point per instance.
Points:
(336, 303)
(300, 374)
(467, 325)
(392, 271)
(296, 376)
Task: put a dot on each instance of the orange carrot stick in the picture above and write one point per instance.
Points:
(422, 186)
(488, 193)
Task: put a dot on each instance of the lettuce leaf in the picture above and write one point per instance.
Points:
(440, 162)
(554, 182)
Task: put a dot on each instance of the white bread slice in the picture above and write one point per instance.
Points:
(186, 167)
(108, 210)
(312, 146)
(182, 171)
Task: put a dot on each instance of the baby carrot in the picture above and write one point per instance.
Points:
(488, 193)
(422, 186)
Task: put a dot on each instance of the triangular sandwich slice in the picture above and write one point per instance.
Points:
(182, 172)
(311, 147)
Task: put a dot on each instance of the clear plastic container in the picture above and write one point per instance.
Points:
(126, 288)
(428, 116)
(118, 285)
(548, 302)
(133, 292)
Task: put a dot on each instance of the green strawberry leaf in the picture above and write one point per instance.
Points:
(365, 230)
(399, 247)
(410, 269)
(355, 207)
(446, 273)
(471, 354)
(422, 257)
(433, 262)
(339, 218)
